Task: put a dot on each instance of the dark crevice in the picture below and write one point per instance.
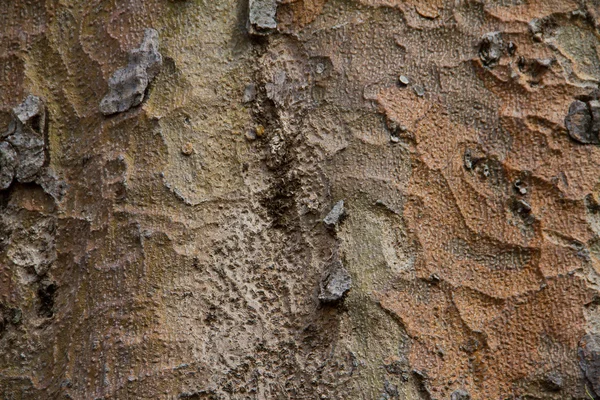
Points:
(46, 294)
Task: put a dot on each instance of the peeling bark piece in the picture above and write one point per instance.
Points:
(594, 106)
(579, 123)
(30, 154)
(589, 360)
(460, 394)
(26, 138)
(491, 48)
(127, 86)
(535, 27)
(249, 93)
(335, 285)
(261, 19)
(31, 111)
(335, 215)
(23, 150)
(51, 184)
(147, 54)
(34, 247)
(8, 163)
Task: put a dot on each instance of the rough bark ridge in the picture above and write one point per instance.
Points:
(176, 248)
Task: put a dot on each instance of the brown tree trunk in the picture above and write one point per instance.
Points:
(172, 176)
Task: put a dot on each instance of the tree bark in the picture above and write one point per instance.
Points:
(299, 199)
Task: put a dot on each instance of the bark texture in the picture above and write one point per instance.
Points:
(177, 229)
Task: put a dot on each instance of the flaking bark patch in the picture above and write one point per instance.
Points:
(34, 247)
(583, 121)
(262, 14)
(491, 48)
(22, 151)
(336, 214)
(128, 86)
(336, 284)
(589, 360)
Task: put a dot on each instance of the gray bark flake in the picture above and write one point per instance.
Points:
(336, 284)
(128, 86)
(51, 184)
(335, 215)
(30, 154)
(583, 121)
(22, 151)
(491, 48)
(261, 19)
(8, 163)
(31, 107)
(460, 394)
(34, 246)
(589, 360)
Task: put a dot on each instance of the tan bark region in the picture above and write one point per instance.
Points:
(176, 250)
(295, 14)
(498, 208)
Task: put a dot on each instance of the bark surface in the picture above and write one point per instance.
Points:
(260, 199)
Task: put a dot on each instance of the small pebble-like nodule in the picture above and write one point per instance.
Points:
(419, 90)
